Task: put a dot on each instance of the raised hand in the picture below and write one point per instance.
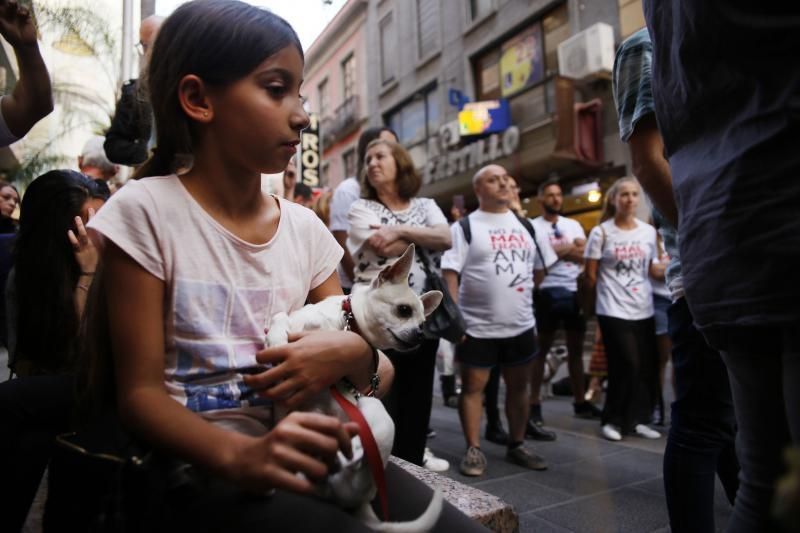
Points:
(85, 252)
(16, 24)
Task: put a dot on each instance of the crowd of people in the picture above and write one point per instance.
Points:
(142, 310)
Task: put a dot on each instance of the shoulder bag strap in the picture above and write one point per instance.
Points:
(528, 226)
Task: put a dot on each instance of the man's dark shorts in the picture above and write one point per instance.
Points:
(555, 305)
(507, 351)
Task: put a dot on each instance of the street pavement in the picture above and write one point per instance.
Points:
(592, 485)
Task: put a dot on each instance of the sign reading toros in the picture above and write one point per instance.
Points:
(310, 152)
(446, 160)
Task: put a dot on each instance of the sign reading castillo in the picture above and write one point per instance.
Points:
(310, 152)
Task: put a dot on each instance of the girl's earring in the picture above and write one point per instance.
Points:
(205, 114)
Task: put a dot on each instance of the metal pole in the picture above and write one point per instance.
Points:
(126, 70)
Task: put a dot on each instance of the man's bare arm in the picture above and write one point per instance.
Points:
(651, 168)
(32, 97)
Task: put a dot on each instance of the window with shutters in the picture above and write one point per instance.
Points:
(388, 49)
(416, 119)
(349, 160)
(427, 28)
(349, 77)
(322, 97)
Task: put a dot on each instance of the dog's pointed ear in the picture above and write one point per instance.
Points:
(398, 271)
(430, 301)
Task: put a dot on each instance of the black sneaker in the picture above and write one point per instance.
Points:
(495, 433)
(522, 457)
(586, 410)
(537, 432)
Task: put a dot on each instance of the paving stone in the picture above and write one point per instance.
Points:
(522, 494)
(597, 474)
(530, 523)
(622, 511)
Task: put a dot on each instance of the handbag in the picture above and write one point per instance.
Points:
(587, 295)
(446, 321)
(101, 480)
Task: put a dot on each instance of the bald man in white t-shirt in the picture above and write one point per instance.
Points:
(495, 293)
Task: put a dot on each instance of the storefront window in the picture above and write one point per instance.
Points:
(488, 76)
(415, 121)
(523, 60)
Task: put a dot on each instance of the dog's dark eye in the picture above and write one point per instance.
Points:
(404, 311)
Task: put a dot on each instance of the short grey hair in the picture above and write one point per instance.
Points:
(479, 174)
(94, 155)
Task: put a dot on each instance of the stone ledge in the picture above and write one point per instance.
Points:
(489, 510)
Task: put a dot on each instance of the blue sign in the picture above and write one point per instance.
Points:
(457, 99)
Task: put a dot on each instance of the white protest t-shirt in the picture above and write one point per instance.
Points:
(496, 290)
(423, 212)
(344, 196)
(563, 273)
(220, 291)
(623, 280)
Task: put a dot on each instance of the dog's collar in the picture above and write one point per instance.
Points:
(351, 325)
(349, 317)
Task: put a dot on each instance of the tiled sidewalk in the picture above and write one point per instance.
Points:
(592, 485)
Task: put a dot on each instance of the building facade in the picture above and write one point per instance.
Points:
(336, 88)
(427, 57)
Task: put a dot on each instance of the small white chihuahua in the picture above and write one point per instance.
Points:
(389, 315)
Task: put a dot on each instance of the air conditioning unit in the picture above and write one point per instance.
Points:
(588, 54)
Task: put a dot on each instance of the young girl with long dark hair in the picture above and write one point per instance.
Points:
(197, 259)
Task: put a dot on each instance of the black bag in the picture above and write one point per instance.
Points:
(446, 322)
(100, 479)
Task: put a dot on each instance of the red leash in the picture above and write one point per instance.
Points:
(370, 448)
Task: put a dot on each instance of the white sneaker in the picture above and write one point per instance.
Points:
(611, 433)
(433, 463)
(646, 432)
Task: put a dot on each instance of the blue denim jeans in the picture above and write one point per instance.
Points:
(700, 445)
(764, 369)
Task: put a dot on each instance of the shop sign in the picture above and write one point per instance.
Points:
(446, 159)
(490, 116)
(310, 152)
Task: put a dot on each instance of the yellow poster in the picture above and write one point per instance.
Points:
(521, 61)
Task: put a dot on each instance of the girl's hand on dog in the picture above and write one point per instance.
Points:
(309, 363)
(305, 443)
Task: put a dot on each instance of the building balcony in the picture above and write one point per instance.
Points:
(345, 120)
